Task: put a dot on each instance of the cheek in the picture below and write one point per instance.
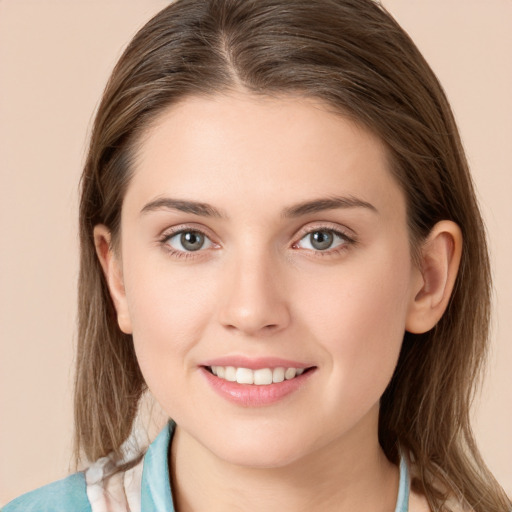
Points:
(169, 310)
(358, 317)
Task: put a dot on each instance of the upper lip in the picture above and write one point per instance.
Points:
(255, 363)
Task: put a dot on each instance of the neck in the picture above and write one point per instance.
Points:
(350, 474)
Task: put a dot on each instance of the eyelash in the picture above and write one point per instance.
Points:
(347, 242)
(182, 254)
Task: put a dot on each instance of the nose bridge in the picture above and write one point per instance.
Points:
(253, 301)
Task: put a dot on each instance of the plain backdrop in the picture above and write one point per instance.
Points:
(55, 57)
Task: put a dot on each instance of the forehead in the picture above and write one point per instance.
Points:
(259, 150)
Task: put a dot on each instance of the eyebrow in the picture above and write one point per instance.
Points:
(298, 210)
(328, 203)
(194, 207)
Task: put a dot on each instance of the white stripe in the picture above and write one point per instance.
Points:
(111, 491)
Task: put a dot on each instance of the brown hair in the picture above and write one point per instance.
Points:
(354, 56)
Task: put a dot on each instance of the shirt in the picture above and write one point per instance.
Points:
(143, 488)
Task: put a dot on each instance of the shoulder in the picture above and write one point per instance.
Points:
(108, 484)
(67, 495)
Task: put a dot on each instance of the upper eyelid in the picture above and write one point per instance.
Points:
(169, 232)
(336, 228)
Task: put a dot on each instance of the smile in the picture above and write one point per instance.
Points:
(256, 387)
(259, 377)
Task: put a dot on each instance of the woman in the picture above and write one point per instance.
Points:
(277, 190)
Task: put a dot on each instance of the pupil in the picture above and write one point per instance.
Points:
(192, 241)
(321, 240)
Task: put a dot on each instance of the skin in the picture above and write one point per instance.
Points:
(259, 288)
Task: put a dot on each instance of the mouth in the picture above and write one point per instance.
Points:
(259, 377)
(256, 382)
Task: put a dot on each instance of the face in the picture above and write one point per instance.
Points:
(265, 241)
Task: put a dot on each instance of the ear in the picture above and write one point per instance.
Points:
(439, 264)
(112, 270)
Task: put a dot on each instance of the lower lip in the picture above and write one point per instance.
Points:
(251, 395)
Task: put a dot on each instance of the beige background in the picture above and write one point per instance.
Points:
(55, 56)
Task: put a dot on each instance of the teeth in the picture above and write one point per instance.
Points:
(278, 375)
(230, 373)
(290, 373)
(244, 376)
(261, 377)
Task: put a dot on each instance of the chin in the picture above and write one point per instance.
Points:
(254, 450)
(259, 457)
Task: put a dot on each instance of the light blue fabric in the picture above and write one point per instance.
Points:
(155, 490)
(70, 495)
(402, 502)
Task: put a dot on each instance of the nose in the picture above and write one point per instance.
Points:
(254, 300)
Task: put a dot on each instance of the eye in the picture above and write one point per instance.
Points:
(189, 241)
(322, 240)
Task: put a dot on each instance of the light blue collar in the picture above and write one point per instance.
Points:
(155, 488)
(402, 502)
(156, 491)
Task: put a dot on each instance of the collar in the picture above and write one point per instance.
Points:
(155, 487)
(156, 493)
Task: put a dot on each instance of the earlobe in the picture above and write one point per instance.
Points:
(440, 259)
(111, 266)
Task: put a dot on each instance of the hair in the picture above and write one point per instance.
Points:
(353, 56)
